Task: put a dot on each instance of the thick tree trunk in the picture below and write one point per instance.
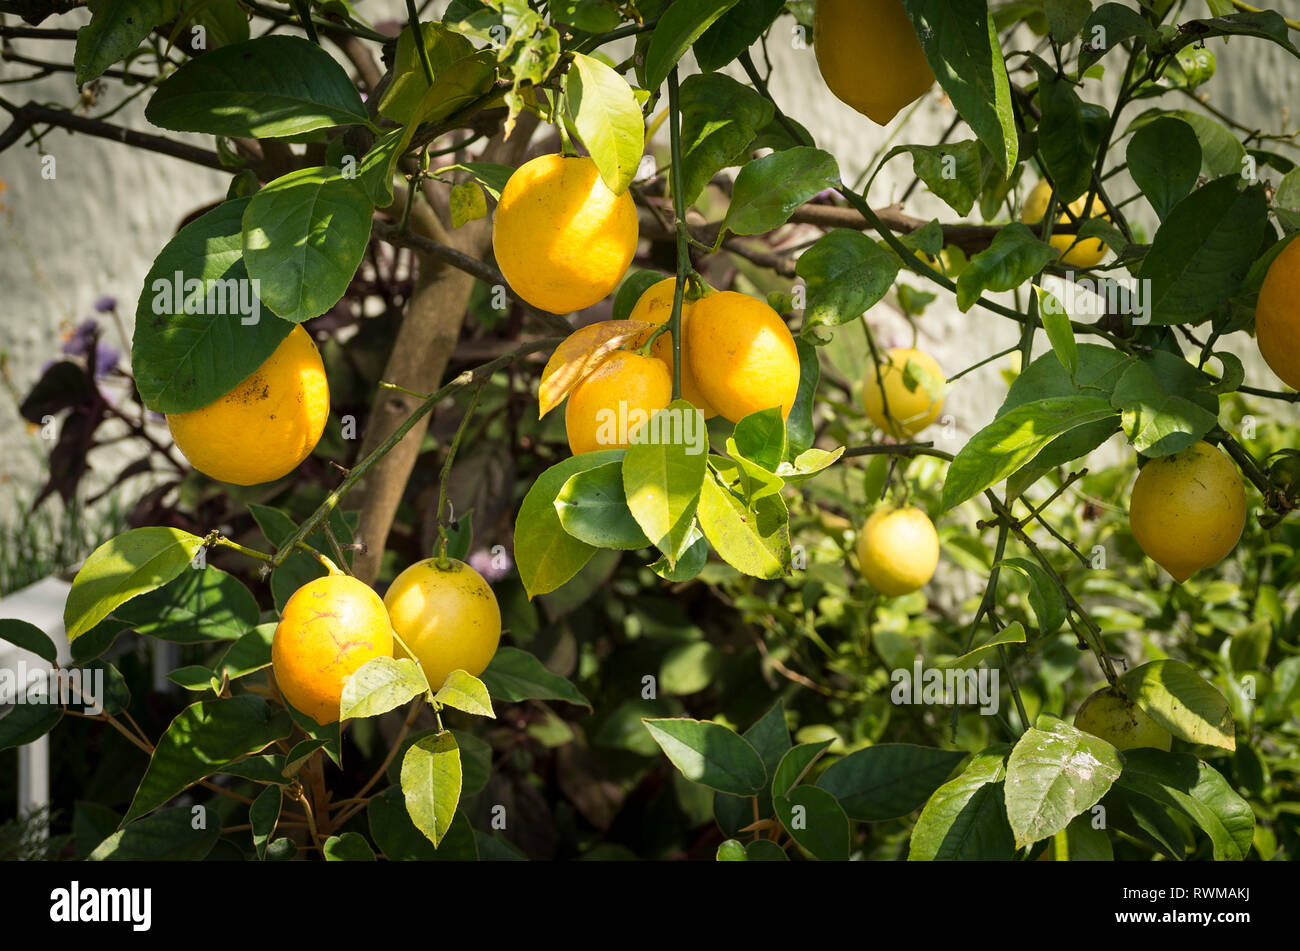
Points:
(428, 334)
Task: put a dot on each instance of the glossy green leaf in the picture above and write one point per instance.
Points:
(381, 684)
(1181, 701)
(263, 816)
(962, 46)
(547, 556)
(202, 739)
(1166, 404)
(517, 675)
(304, 236)
(769, 189)
(592, 507)
(755, 541)
(181, 834)
(720, 118)
(465, 692)
(1014, 257)
(269, 87)
(1164, 159)
(847, 274)
(661, 481)
(1054, 773)
(28, 637)
(202, 604)
(124, 567)
(197, 340)
(348, 847)
(608, 119)
(710, 754)
(1197, 790)
(1204, 250)
(816, 821)
(888, 780)
(679, 26)
(431, 784)
(1013, 440)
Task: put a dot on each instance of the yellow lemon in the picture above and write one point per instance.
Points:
(562, 239)
(265, 426)
(898, 550)
(1277, 316)
(329, 628)
(1084, 253)
(1187, 510)
(869, 56)
(1120, 723)
(745, 357)
(910, 411)
(448, 617)
(656, 307)
(615, 400)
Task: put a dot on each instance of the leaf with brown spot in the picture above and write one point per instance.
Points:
(582, 352)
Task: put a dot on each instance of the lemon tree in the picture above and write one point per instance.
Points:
(612, 207)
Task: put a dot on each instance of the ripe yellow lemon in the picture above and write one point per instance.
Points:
(745, 357)
(265, 426)
(615, 400)
(1187, 510)
(448, 617)
(1084, 253)
(869, 56)
(329, 628)
(562, 239)
(1277, 316)
(1120, 722)
(656, 307)
(910, 411)
(898, 550)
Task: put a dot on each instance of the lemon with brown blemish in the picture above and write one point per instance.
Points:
(328, 630)
(269, 423)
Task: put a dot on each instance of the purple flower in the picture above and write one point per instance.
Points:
(491, 567)
(76, 342)
(106, 358)
(106, 304)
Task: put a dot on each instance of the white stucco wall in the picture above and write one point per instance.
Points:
(95, 227)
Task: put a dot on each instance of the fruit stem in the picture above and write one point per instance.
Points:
(213, 538)
(329, 566)
(683, 233)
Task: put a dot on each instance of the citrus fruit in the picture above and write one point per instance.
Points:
(898, 549)
(265, 426)
(1277, 316)
(1084, 253)
(1187, 510)
(745, 357)
(562, 239)
(448, 617)
(910, 410)
(869, 56)
(656, 307)
(614, 400)
(1120, 722)
(328, 629)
